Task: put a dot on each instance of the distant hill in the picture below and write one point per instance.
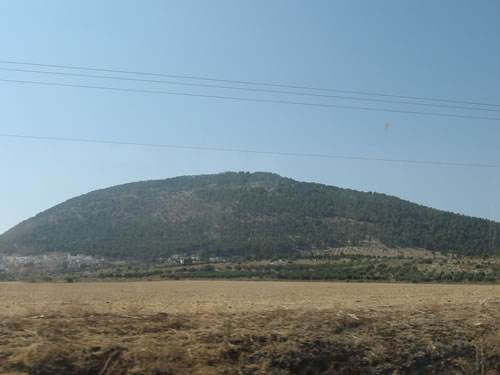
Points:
(241, 214)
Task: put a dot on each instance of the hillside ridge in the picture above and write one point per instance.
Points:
(243, 214)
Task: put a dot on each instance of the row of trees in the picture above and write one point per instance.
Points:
(407, 272)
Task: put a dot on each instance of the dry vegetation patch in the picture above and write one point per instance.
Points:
(410, 336)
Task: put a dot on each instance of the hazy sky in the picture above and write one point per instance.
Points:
(439, 49)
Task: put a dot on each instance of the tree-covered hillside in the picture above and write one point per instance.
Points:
(241, 214)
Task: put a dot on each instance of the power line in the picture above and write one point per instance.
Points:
(249, 83)
(249, 151)
(251, 99)
(248, 89)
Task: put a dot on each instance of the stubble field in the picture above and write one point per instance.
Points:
(243, 327)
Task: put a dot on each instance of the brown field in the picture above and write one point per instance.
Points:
(242, 327)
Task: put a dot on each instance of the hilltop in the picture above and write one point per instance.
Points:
(241, 214)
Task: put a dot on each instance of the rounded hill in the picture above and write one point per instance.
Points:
(241, 214)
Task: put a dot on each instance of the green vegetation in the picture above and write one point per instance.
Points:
(340, 268)
(242, 214)
(301, 266)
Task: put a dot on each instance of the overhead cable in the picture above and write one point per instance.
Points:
(249, 151)
(247, 89)
(248, 83)
(235, 98)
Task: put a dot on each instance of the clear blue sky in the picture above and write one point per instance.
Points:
(442, 49)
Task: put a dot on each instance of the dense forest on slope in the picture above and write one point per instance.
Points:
(241, 214)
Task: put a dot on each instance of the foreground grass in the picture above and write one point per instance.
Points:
(249, 328)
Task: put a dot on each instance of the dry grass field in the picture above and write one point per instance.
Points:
(240, 327)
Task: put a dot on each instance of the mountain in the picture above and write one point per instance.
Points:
(241, 214)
